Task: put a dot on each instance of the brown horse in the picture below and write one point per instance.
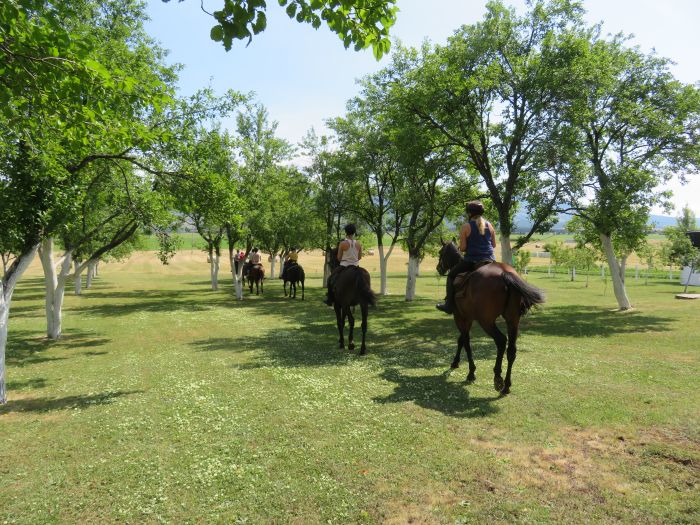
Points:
(256, 274)
(350, 288)
(293, 274)
(491, 291)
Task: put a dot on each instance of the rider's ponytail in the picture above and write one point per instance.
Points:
(481, 224)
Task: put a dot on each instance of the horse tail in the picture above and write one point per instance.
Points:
(363, 286)
(530, 295)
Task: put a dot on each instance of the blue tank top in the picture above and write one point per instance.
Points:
(479, 247)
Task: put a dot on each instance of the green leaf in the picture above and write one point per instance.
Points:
(217, 33)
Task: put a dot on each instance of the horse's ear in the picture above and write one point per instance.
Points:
(454, 240)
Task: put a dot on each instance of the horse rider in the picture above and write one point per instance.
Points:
(254, 260)
(349, 254)
(477, 240)
(291, 260)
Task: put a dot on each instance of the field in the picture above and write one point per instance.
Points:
(166, 402)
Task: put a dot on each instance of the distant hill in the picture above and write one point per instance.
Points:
(523, 223)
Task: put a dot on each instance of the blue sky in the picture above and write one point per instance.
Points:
(304, 76)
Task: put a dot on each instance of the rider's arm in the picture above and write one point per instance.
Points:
(359, 250)
(341, 249)
(463, 236)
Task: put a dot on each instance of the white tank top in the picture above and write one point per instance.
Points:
(349, 257)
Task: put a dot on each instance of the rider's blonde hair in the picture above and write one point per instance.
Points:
(480, 224)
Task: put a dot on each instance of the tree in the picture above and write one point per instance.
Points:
(363, 23)
(372, 168)
(638, 126)
(331, 193)
(497, 90)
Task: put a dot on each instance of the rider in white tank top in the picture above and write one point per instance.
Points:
(350, 256)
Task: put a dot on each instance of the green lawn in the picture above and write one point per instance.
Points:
(167, 402)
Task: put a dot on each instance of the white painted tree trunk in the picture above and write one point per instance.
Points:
(273, 261)
(281, 264)
(91, 273)
(411, 280)
(237, 279)
(6, 290)
(55, 286)
(214, 270)
(618, 284)
(573, 273)
(506, 249)
(670, 272)
(78, 277)
(97, 269)
(382, 271)
(418, 261)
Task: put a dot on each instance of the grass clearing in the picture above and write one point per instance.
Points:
(166, 402)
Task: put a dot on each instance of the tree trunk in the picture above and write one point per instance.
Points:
(506, 249)
(97, 268)
(573, 274)
(623, 268)
(7, 287)
(281, 256)
(273, 262)
(418, 261)
(91, 272)
(383, 263)
(55, 286)
(239, 281)
(78, 277)
(615, 273)
(214, 270)
(411, 280)
(326, 268)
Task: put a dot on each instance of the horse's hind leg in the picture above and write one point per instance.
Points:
(351, 327)
(340, 320)
(363, 308)
(285, 288)
(302, 290)
(500, 340)
(513, 326)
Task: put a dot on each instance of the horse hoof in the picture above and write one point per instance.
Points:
(471, 378)
(454, 365)
(351, 346)
(498, 384)
(363, 350)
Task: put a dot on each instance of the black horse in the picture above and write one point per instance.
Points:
(351, 286)
(491, 291)
(293, 274)
(256, 274)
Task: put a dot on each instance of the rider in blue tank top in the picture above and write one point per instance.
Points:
(477, 239)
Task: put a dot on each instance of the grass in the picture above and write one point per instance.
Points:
(169, 403)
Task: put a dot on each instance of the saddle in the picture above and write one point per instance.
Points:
(461, 280)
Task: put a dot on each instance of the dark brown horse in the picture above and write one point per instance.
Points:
(293, 274)
(491, 291)
(352, 287)
(256, 274)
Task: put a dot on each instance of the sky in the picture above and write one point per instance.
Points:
(305, 76)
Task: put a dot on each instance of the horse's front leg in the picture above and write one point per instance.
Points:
(351, 327)
(285, 288)
(262, 285)
(340, 320)
(363, 308)
(471, 376)
(460, 343)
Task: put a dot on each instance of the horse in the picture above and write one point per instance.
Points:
(293, 274)
(491, 291)
(350, 288)
(256, 274)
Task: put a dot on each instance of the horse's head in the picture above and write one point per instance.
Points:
(448, 257)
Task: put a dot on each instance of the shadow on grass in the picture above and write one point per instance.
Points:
(29, 384)
(24, 348)
(437, 393)
(42, 404)
(146, 301)
(591, 321)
